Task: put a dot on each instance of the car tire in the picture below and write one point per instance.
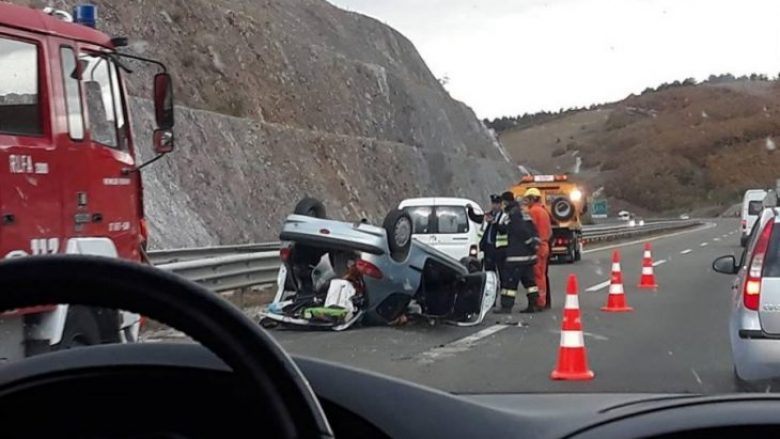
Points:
(311, 207)
(398, 227)
(81, 329)
(577, 255)
(562, 209)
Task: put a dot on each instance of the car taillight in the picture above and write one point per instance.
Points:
(284, 254)
(473, 251)
(368, 269)
(751, 294)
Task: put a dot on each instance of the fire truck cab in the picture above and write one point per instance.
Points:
(69, 177)
(566, 203)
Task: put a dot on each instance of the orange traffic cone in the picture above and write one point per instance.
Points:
(616, 300)
(648, 277)
(572, 358)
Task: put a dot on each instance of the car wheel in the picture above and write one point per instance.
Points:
(578, 252)
(81, 329)
(311, 207)
(398, 226)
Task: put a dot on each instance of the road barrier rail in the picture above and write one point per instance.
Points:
(231, 267)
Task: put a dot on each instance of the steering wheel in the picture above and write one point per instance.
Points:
(221, 328)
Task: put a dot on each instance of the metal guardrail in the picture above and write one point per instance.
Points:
(225, 268)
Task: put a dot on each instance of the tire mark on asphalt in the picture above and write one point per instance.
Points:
(460, 345)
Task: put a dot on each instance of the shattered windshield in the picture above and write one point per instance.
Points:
(595, 160)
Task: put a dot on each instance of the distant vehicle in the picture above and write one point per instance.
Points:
(567, 204)
(751, 208)
(443, 223)
(624, 215)
(755, 320)
(335, 274)
(685, 216)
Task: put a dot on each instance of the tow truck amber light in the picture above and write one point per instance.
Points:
(368, 269)
(751, 294)
(576, 195)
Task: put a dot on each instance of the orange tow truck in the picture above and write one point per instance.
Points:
(567, 204)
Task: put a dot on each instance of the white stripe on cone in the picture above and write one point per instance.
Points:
(616, 289)
(572, 339)
(647, 254)
(647, 270)
(572, 302)
(615, 267)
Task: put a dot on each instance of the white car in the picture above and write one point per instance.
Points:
(444, 224)
(752, 205)
(624, 215)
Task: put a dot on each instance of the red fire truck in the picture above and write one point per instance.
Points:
(69, 176)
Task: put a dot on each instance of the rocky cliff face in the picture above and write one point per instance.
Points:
(326, 103)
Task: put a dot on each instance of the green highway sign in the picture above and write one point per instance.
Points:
(598, 208)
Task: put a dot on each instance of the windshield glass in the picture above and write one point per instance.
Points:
(603, 149)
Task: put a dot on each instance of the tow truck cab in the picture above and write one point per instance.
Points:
(566, 203)
(69, 176)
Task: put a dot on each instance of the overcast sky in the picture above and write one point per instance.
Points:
(507, 57)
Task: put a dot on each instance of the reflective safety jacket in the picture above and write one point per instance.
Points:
(523, 239)
(489, 233)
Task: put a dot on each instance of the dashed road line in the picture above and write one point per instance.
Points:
(716, 239)
(659, 262)
(686, 251)
(703, 244)
(459, 345)
(652, 238)
(597, 287)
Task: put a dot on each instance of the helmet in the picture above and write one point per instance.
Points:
(533, 192)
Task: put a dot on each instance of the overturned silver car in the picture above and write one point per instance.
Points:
(335, 274)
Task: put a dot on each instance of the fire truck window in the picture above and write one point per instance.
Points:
(20, 111)
(72, 96)
(96, 81)
(120, 116)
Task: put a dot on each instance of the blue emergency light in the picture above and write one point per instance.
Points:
(85, 15)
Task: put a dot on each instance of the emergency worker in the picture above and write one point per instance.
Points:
(491, 242)
(543, 223)
(520, 255)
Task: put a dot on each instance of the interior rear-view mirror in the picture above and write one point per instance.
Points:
(725, 264)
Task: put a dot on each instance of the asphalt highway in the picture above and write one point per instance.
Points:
(676, 340)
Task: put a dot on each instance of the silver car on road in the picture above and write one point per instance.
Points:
(755, 318)
(335, 274)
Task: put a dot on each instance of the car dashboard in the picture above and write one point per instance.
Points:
(362, 404)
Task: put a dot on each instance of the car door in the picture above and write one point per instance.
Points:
(452, 230)
(114, 204)
(30, 219)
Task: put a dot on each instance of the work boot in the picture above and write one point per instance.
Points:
(532, 306)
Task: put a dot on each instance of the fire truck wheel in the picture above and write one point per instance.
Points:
(81, 329)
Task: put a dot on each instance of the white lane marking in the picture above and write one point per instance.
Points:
(459, 345)
(716, 239)
(653, 238)
(696, 375)
(686, 251)
(724, 236)
(659, 262)
(703, 244)
(597, 287)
